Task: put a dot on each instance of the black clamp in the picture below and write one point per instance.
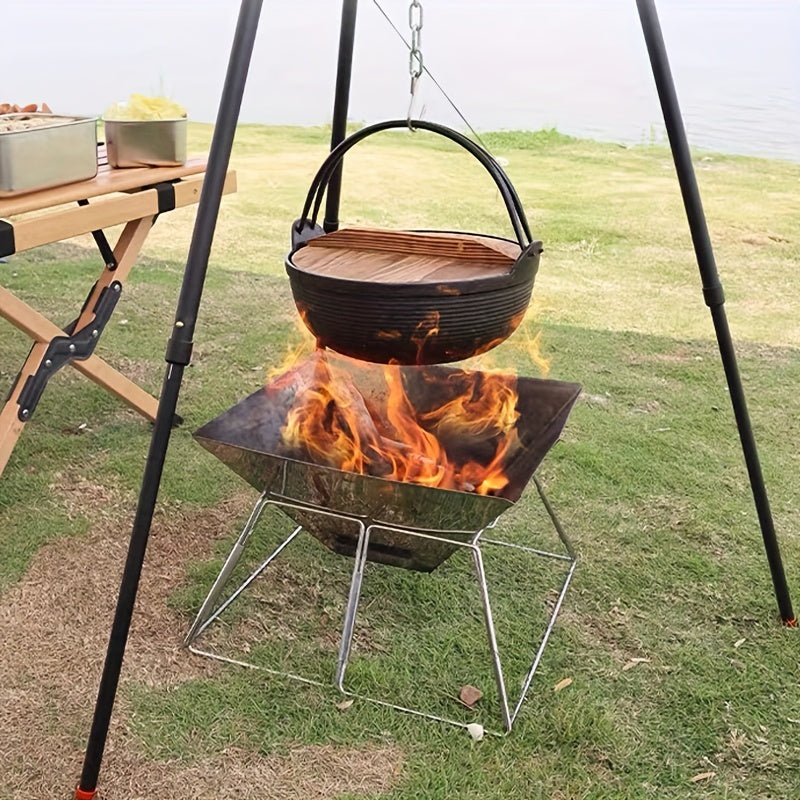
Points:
(76, 346)
(7, 244)
(179, 346)
(166, 196)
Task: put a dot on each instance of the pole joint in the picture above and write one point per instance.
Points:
(714, 295)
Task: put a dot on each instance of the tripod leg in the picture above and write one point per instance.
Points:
(713, 294)
(178, 356)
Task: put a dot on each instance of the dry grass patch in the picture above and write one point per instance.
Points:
(54, 626)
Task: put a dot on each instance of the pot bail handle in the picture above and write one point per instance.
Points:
(319, 184)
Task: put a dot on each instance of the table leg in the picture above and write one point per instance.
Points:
(116, 383)
(126, 252)
(96, 369)
(10, 424)
(42, 331)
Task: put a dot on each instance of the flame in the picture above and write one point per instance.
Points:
(533, 347)
(325, 424)
(489, 406)
(302, 344)
(427, 328)
(460, 438)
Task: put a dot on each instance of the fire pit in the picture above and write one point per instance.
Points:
(252, 439)
(398, 465)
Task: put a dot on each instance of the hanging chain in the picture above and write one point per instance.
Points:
(415, 62)
(415, 22)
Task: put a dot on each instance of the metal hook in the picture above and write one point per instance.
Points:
(411, 116)
(414, 80)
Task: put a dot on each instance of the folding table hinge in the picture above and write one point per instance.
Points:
(77, 346)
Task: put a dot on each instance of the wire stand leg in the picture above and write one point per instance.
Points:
(352, 604)
(491, 634)
(207, 615)
(476, 543)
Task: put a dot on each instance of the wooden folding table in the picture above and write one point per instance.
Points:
(131, 197)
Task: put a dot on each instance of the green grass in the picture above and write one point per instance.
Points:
(648, 478)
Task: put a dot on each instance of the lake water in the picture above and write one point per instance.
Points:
(576, 65)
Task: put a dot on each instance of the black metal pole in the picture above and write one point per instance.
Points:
(178, 356)
(712, 292)
(347, 35)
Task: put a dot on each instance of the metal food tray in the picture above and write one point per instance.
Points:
(146, 143)
(61, 149)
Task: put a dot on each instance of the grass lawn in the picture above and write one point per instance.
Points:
(682, 684)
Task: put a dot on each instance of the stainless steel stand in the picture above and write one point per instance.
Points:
(211, 609)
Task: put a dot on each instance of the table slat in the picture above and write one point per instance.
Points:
(108, 180)
(105, 212)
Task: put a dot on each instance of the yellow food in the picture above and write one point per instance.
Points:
(140, 107)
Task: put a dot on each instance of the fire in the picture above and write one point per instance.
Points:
(302, 344)
(427, 329)
(532, 345)
(457, 434)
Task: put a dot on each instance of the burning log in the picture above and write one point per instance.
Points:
(458, 438)
(329, 423)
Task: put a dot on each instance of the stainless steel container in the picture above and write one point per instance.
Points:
(49, 151)
(146, 143)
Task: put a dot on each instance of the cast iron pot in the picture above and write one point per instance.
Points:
(429, 322)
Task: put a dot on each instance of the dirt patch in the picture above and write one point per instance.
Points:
(762, 239)
(306, 773)
(108, 505)
(54, 627)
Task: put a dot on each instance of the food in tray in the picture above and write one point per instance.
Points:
(20, 121)
(23, 122)
(40, 150)
(31, 108)
(146, 132)
(139, 107)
